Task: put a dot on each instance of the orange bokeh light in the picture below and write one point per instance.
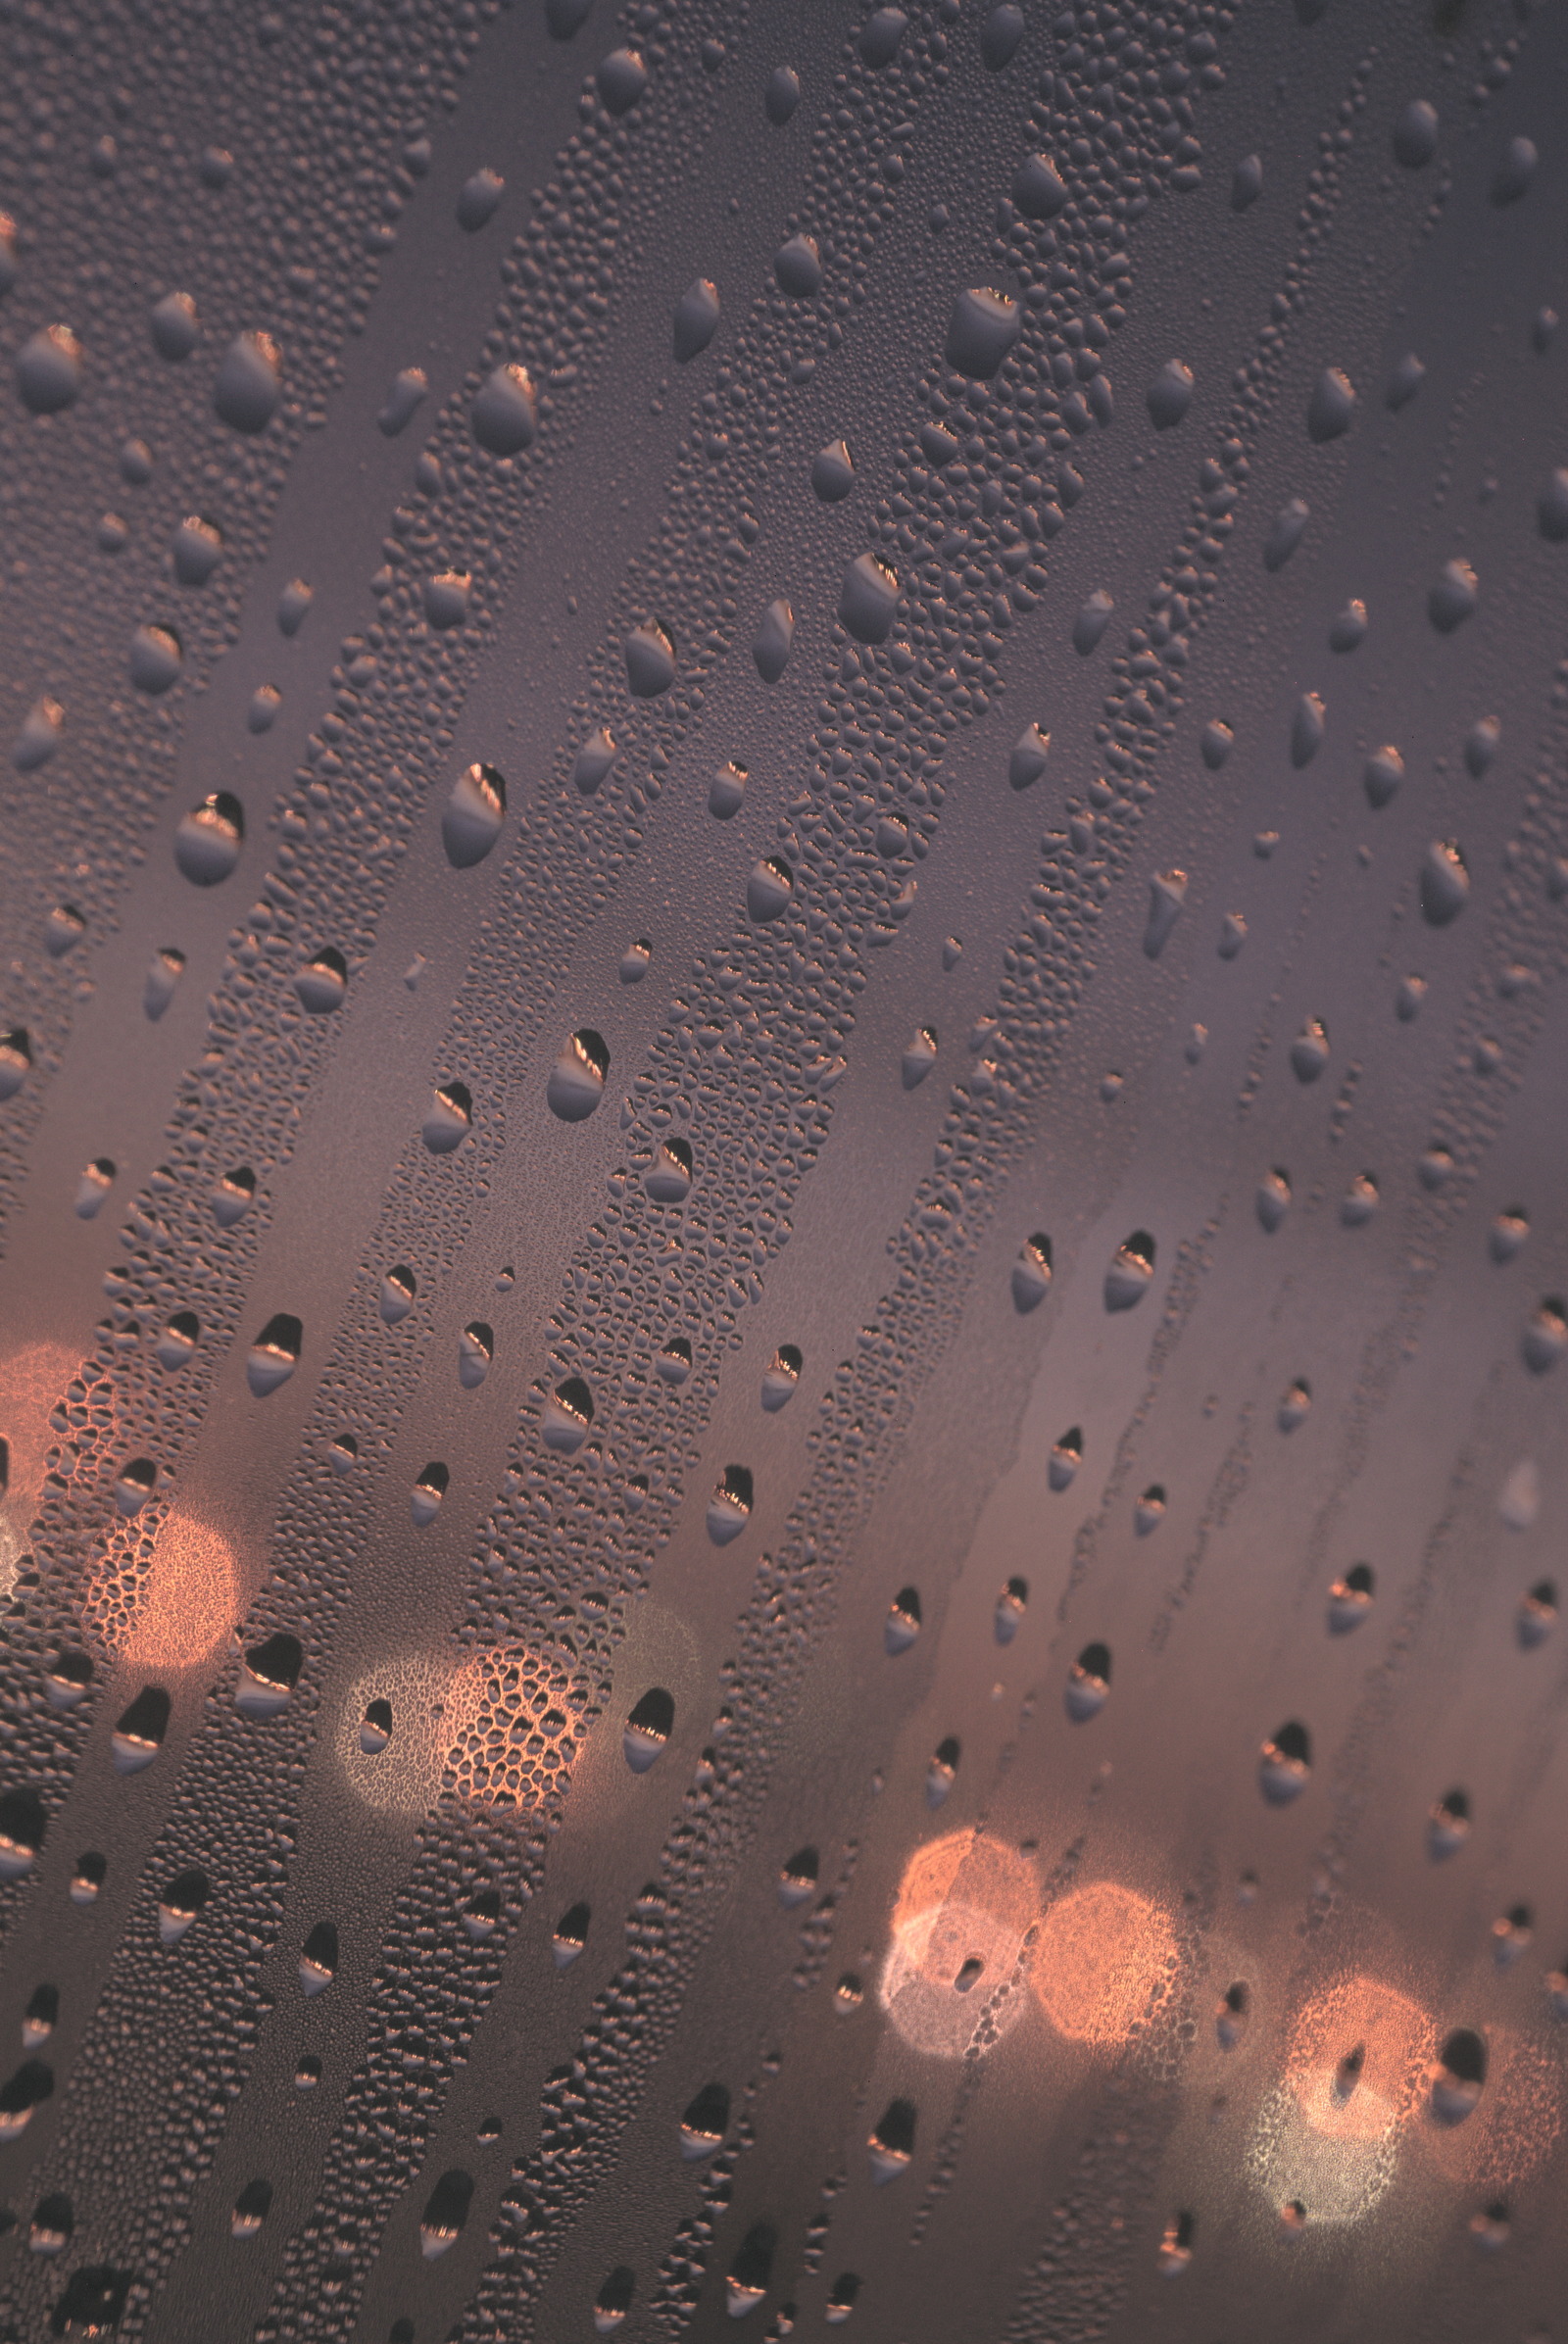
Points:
(31, 1381)
(176, 1608)
(1390, 2039)
(1103, 1957)
(964, 1910)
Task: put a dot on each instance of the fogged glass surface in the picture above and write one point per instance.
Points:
(785, 895)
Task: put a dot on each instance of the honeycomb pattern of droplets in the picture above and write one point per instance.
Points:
(889, 1350)
(262, 173)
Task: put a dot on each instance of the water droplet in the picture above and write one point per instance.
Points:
(248, 384)
(232, 1195)
(775, 634)
(450, 1120)
(1246, 182)
(1537, 1615)
(920, 1058)
(477, 199)
(568, 1413)
(571, 1935)
(1347, 629)
(1381, 774)
(1545, 1335)
(273, 1355)
(983, 328)
(1404, 382)
(621, 78)
(1027, 762)
(1230, 2020)
(576, 1083)
(832, 472)
(1445, 883)
(1514, 173)
(1273, 1199)
(318, 1962)
(476, 1347)
(1331, 407)
(375, 1727)
(903, 1623)
(1512, 1934)
(650, 660)
(696, 319)
(648, 1728)
(770, 889)
(727, 792)
(49, 369)
(139, 1736)
(251, 2209)
(1089, 627)
(1012, 1603)
(39, 736)
(1038, 191)
(1551, 508)
(1167, 892)
(88, 1875)
(942, 1772)
(430, 1488)
(1307, 728)
(868, 599)
(96, 1181)
(445, 2213)
(1176, 2247)
(892, 2141)
(1031, 1273)
(292, 605)
(1508, 1232)
(1415, 134)
(1460, 2077)
(798, 268)
(1087, 1687)
(1150, 1511)
(64, 927)
(403, 400)
(1286, 533)
(208, 840)
(1350, 1599)
(729, 1509)
(1131, 1271)
(503, 418)
(156, 658)
(268, 1677)
(1481, 745)
(322, 982)
(445, 599)
(1216, 741)
(1284, 1764)
(669, 1179)
(398, 1290)
(635, 961)
(1310, 1052)
(1170, 394)
(180, 1905)
(1452, 600)
(781, 94)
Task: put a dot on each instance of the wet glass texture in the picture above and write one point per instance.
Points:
(785, 895)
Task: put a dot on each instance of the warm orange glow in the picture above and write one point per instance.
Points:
(1387, 2038)
(1103, 1957)
(167, 1603)
(496, 1730)
(31, 1381)
(963, 1909)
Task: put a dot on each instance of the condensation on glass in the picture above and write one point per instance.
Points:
(781, 1117)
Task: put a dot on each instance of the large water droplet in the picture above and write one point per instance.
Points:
(983, 328)
(248, 385)
(208, 840)
(696, 319)
(576, 1081)
(49, 369)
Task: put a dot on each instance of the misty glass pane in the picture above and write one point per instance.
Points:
(782, 1116)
